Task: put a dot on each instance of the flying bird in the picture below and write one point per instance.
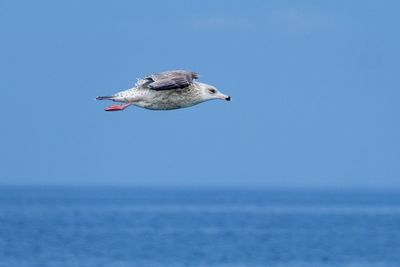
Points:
(164, 91)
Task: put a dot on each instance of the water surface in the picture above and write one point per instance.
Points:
(88, 227)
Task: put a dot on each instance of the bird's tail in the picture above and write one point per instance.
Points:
(104, 97)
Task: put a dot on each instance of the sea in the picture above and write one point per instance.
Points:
(215, 227)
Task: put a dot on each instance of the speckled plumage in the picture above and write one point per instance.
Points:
(165, 91)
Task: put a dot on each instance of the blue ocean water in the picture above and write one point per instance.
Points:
(115, 227)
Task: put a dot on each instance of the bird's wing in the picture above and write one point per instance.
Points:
(170, 80)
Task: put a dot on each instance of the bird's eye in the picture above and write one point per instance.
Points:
(212, 91)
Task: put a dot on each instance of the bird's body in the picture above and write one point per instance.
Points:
(163, 99)
(165, 91)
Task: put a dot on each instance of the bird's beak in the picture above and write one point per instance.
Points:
(224, 97)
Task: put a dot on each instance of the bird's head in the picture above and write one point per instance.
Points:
(209, 92)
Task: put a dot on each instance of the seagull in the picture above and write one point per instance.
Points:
(165, 91)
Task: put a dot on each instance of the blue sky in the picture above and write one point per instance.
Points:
(315, 87)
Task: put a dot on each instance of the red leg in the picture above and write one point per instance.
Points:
(117, 107)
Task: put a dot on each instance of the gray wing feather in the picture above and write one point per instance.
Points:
(170, 80)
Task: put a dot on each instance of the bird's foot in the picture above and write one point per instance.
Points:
(117, 107)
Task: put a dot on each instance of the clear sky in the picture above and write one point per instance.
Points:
(315, 87)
